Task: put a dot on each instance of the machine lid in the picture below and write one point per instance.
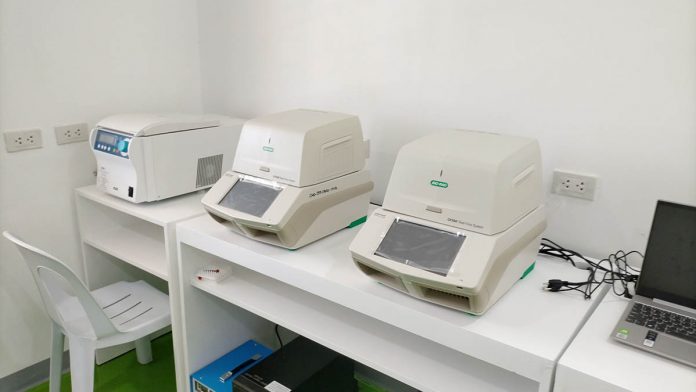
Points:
(301, 147)
(471, 180)
(149, 124)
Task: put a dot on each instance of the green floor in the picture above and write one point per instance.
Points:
(126, 374)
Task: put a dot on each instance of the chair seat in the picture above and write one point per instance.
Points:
(133, 307)
(119, 313)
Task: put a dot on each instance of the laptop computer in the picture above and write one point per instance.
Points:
(661, 317)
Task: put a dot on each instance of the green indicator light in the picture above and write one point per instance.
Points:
(439, 184)
(528, 270)
(358, 222)
(623, 331)
(267, 148)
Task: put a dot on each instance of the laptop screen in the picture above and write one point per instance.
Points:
(669, 267)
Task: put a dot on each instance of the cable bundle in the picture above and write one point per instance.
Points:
(613, 269)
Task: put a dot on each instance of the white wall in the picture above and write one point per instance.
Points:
(64, 62)
(608, 87)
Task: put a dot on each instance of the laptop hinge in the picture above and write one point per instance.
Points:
(673, 305)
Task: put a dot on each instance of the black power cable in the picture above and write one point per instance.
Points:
(614, 269)
(278, 336)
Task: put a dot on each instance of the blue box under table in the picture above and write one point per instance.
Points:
(207, 379)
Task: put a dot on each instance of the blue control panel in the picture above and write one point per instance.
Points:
(112, 143)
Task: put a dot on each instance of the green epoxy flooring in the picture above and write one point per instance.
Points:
(126, 374)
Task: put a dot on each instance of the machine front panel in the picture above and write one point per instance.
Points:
(250, 197)
(112, 143)
(420, 246)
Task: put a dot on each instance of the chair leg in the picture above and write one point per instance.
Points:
(56, 367)
(143, 350)
(82, 364)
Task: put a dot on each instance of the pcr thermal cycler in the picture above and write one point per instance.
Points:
(297, 176)
(461, 220)
(148, 157)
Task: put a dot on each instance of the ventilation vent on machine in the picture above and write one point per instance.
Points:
(384, 278)
(445, 298)
(209, 170)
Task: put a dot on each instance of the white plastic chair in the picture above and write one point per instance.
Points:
(119, 313)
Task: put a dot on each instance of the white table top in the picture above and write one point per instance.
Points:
(525, 332)
(160, 212)
(595, 362)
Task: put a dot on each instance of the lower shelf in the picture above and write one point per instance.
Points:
(411, 359)
(143, 249)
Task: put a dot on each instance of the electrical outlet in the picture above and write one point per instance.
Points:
(71, 133)
(23, 140)
(571, 184)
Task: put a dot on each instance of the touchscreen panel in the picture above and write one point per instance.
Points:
(420, 246)
(250, 197)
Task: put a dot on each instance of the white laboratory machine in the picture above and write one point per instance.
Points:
(461, 221)
(297, 176)
(148, 157)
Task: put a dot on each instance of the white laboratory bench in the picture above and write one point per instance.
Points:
(127, 241)
(595, 362)
(317, 292)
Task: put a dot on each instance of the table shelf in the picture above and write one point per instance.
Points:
(145, 250)
(394, 352)
(595, 362)
(160, 213)
(518, 335)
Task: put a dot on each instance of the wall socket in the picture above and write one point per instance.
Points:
(71, 133)
(23, 140)
(571, 184)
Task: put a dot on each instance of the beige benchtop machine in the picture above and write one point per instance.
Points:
(461, 221)
(297, 176)
(145, 157)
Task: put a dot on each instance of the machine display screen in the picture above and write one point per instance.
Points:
(419, 246)
(250, 197)
(107, 138)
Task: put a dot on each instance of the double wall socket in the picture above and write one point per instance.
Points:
(71, 133)
(23, 140)
(571, 184)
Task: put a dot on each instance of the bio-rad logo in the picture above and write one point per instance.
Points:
(439, 184)
(268, 148)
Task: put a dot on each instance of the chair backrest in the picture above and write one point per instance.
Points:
(56, 283)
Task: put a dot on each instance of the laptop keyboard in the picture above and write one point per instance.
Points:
(660, 320)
